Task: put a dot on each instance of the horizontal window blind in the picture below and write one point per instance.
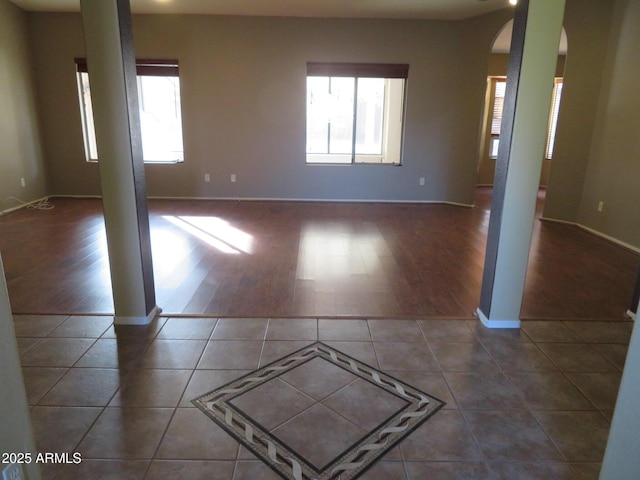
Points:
(362, 70)
(147, 67)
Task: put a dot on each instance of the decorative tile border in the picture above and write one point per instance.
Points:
(282, 458)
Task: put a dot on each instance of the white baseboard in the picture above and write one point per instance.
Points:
(594, 232)
(631, 315)
(146, 320)
(23, 204)
(497, 323)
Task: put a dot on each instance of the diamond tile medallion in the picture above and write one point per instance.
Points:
(318, 414)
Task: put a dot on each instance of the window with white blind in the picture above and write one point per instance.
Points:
(498, 88)
(354, 113)
(553, 118)
(160, 111)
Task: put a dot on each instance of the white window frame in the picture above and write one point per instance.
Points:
(394, 76)
(144, 68)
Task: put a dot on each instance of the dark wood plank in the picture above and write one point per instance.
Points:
(267, 259)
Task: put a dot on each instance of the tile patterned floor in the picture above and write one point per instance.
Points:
(535, 403)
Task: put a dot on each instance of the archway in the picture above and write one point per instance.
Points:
(491, 119)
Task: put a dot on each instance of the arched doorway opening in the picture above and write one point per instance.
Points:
(494, 95)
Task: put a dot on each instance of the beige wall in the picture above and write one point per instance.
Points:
(614, 159)
(587, 23)
(15, 425)
(498, 63)
(20, 146)
(243, 101)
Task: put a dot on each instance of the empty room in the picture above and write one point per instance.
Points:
(319, 240)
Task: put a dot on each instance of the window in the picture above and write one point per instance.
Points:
(355, 112)
(160, 117)
(498, 86)
(553, 118)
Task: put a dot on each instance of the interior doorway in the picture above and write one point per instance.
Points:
(494, 97)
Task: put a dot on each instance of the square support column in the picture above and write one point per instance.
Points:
(112, 73)
(534, 52)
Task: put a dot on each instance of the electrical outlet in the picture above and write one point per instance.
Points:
(233, 177)
(207, 177)
(600, 206)
(13, 471)
(22, 182)
(421, 181)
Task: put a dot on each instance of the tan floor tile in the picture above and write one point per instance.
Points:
(187, 329)
(362, 351)
(548, 391)
(82, 326)
(179, 354)
(575, 357)
(89, 387)
(382, 470)
(56, 352)
(105, 470)
(190, 470)
(36, 325)
(586, 471)
(146, 332)
(38, 381)
(364, 404)
(400, 331)
(26, 343)
(345, 330)
(240, 329)
(253, 470)
(194, 436)
(511, 436)
(549, 331)
(319, 435)
(272, 403)
(406, 356)
(231, 355)
(615, 353)
(443, 437)
(497, 335)
(126, 433)
(276, 349)
(152, 388)
(580, 436)
(483, 391)
(532, 471)
(59, 429)
(318, 378)
(114, 353)
(520, 357)
(463, 357)
(447, 331)
(292, 329)
(204, 381)
(600, 388)
(602, 332)
(448, 471)
(432, 383)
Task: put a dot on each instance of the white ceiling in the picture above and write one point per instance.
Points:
(432, 9)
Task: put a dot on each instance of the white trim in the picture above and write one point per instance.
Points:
(595, 232)
(497, 323)
(23, 205)
(155, 311)
(280, 199)
(632, 316)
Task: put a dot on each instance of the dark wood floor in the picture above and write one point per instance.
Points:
(269, 259)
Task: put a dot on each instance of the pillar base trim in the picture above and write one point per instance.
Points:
(497, 323)
(155, 311)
